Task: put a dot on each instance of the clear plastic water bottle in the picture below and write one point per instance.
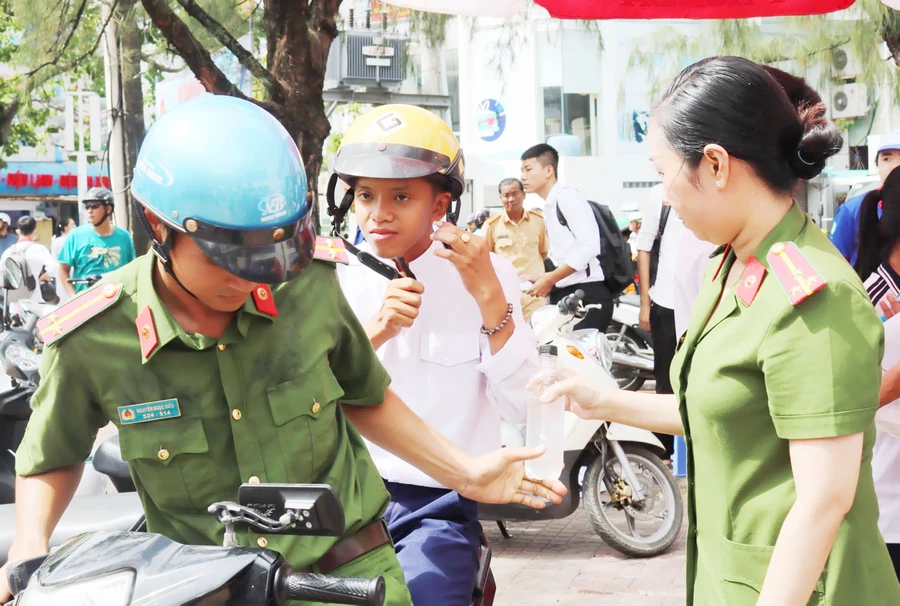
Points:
(545, 422)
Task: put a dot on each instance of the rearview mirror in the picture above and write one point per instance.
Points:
(12, 274)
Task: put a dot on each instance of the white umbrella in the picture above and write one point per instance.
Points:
(472, 8)
(894, 4)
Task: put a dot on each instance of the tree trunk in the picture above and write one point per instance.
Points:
(132, 108)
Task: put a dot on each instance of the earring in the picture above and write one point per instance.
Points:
(718, 184)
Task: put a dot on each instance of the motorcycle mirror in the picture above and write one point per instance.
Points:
(18, 574)
(12, 274)
(315, 507)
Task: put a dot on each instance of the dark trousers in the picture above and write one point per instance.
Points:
(662, 329)
(894, 550)
(436, 535)
(594, 292)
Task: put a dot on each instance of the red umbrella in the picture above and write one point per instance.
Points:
(688, 9)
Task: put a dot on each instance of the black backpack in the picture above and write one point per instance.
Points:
(615, 254)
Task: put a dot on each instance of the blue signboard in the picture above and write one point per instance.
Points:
(491, 120)
(46, 179)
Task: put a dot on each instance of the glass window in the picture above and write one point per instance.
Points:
(451, 64)
(553, 112)
(578, 119)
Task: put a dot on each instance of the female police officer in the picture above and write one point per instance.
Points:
(214, 378)
(776, 382)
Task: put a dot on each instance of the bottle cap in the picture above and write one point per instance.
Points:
(548, 350)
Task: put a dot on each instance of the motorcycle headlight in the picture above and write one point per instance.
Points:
(110, 590)
(540, 316)
(594, 342)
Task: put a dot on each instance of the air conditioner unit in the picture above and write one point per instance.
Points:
(849, 101)
(845, 64)
(366, 59)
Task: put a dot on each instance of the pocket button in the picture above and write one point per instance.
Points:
(163, 454)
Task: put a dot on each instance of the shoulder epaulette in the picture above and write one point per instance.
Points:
(492, 218)
(332, 250)
(537, 212)
(795, 273)
(63, 320)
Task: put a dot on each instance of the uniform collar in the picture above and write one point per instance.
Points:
(786, 231)
(525, 216)
(156, 321)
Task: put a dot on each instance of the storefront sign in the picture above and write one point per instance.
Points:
(21, 179)
(491, 120)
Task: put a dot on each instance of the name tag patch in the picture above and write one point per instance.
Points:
(149, 411)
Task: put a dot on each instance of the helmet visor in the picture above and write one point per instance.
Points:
(265, 263)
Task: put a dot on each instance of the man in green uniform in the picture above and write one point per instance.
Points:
(215, 379)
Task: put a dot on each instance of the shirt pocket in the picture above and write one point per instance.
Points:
(170, 459)
(743, 569)
(307, 418)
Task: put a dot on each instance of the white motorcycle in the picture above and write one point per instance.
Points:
(629, 494)
(632, 346)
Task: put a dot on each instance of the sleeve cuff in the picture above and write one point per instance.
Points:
(577, 261)
(824, 425)
(373, 397)
(500, 366)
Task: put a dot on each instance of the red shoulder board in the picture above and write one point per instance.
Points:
(331, 249)
(76, 312)
(146, 328)
(795, 273)
(751, 281)
(265, 303)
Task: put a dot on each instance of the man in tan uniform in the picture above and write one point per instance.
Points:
(520, 236)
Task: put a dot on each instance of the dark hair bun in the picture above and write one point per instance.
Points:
(819, 138)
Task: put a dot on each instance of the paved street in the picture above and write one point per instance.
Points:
(565, 562)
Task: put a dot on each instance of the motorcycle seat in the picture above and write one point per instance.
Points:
(85, 514)
(108, 460)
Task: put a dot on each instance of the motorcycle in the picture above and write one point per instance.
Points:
(632, 500)
(121, 568)
(632, 346)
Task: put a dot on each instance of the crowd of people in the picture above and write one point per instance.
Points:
(277, 368)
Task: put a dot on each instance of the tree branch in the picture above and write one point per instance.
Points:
(190, 49)
(159, 66)
(243, 55)
(74, 27)
(71, 64)
(7, 117)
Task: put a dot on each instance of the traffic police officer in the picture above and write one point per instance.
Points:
(777, 381)
(214, 378)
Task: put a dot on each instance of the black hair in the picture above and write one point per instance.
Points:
(545, 154)
(26, 225)
(877, 240)
(766, 117)
(510, 181)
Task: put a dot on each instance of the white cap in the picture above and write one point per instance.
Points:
(5, 218)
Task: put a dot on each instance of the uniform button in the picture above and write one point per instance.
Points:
(221, 346)
(163, 454)
(253, 480)
(236, 414)
(316, 407)
(262, 542)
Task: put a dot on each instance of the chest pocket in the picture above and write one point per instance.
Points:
(305, 413)
(449, 348)
(170, 460)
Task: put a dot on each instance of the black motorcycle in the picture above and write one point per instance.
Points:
(116, 568)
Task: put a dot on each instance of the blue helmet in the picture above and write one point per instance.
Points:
(226, 173)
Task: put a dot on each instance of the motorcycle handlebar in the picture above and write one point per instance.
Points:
(334, 590)
(572, 302)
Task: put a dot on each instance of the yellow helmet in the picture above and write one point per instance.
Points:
(401, 142)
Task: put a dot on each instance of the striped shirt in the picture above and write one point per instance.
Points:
(882, 282)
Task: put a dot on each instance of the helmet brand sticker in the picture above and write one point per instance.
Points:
(155, 171)
(273, 207)
(390, 122)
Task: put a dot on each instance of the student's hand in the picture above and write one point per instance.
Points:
(499, 477)
(470, 255)
(399, 310)
(889, 306)
(542, 285)
(644, 316)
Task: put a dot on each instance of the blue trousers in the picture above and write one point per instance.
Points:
(436, 534)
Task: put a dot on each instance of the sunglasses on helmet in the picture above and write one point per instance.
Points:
(92, 205)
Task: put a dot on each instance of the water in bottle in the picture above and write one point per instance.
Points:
(545, 423)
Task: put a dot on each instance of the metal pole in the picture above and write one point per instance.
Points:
(115, 153)
(81, 155)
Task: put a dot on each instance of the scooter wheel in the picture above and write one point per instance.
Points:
(625, 526)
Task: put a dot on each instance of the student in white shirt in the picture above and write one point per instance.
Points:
(574, 249)
(452, 338)
(41, 264)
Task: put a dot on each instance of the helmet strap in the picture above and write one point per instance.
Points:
(453, 211)
(162, 250)
(336, 212)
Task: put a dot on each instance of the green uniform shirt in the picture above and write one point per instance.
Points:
(755, 377)
(285, 375)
